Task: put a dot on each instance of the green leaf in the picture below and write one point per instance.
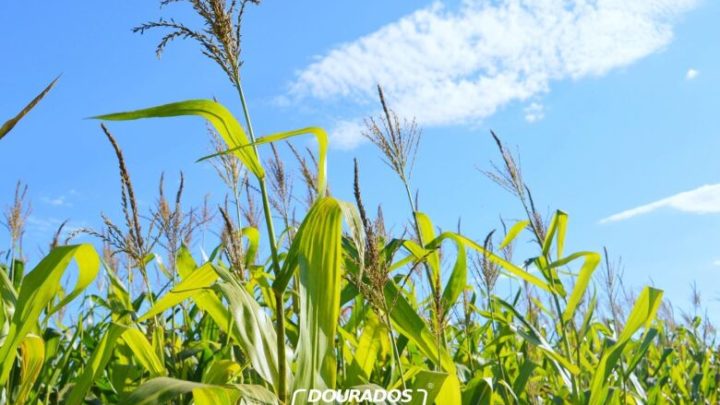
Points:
(458, 278)
(246, 322)
(426, 388)
(253, 237)
(557, 230)
(587, 269)
(507, 266)
(369, 346)
(406, 321)
(184, 262)
(427, 234)
(523, 376)
(533, 336)
(513, 233)
(32, 349)
(641, 351)
(457, 281)
(37, 291)
(252, 327)
(95, 366)
(479, 391)
(118, 295)
(200, 279)
(162, 389)
(317, 252)
(143, 351)
(221, 372)
(322, 140)
(222, 120)
(642, 314)
(10, 124)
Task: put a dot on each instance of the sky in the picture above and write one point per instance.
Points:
(611, 105)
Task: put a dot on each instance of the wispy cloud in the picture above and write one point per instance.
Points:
(43, 224)
(59, 201)
(347, 134)
(39, 227)
(56, 201)
(702, 200)
(534, 112)
(692, 74)
(458, 66)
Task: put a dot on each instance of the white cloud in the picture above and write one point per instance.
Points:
(40, 225)
(716, 263)
(347, 134)
(459, 66)
(702, 200)
(56, 201)
(534, 112)
(691, 74)
(43, 224)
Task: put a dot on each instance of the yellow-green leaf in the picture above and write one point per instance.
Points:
(32, 350)
(163, 389)
(37, 291)
(513, 233)
(198, 280)
(224, 122)
(587, 269)
(322, 140)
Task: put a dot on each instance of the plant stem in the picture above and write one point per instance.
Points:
(279, 309)
(280, 314)
(434, 283)
(396, 352)
(530, 211)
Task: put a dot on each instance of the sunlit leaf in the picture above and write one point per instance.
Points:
(224, 122)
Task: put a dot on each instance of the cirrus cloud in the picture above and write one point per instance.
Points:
(702, 200)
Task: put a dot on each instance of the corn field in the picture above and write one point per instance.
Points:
(310, 292)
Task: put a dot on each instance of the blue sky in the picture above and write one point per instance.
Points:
(613, 108)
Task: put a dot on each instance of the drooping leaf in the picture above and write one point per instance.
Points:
(322, 140)
(504, 264)
(224, 122)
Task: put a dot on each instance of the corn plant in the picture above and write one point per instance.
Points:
(333, 301)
